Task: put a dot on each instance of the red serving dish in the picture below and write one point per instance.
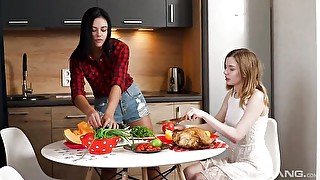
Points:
(73, 145)
(99, 146)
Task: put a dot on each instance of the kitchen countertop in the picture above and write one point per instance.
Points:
(65, 99)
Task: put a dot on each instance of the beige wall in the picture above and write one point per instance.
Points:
(151, 54)
(295, 88)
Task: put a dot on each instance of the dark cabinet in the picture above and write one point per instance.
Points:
(18, 13)
(135, 13)
(123, 13)
(179, 13)
(62, 13)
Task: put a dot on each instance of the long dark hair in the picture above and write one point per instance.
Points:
(84, 47)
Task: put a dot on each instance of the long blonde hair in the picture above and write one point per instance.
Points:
(251, 73)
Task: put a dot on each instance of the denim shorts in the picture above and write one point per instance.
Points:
(131, 107)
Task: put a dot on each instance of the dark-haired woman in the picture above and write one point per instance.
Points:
(103, 62)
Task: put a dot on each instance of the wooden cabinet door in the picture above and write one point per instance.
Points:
(35, 122)
(135, 13)
(181, 108)
(179, 13)
(159, 112)
(66, 117)
(21, 13)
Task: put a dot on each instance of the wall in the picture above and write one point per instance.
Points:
(192, 50)
(295, 60)
(236, 24)
(151, 54)
(318, 87)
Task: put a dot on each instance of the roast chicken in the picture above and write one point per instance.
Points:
(192, 138)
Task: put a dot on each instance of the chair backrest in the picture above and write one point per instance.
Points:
(7, 172)
(272, 143)
(20, 154)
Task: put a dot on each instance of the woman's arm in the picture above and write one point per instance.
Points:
(92, 115)
(221, 115)
(255, 107)
(113, 102)
(118, 83)
(78, 94)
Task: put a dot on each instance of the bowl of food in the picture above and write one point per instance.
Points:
(103, 140)
(99, 146)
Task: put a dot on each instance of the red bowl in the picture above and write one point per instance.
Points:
(99, 146)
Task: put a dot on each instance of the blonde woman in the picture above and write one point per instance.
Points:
(242, 119)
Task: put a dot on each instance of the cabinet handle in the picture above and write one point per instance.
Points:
(135, 21)
(19, 113)
(171, 10)
(71, 22)
(75, 116)
(178, 112)
(18, 22)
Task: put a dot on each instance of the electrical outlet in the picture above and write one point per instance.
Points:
(65, 77)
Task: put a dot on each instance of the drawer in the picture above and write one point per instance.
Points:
(66, 117)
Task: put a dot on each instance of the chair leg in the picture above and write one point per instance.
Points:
(180, 172)
(89, 173)
(144, 173)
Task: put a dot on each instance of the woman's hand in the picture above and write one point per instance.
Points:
(194, 114)
(93, 118)
(108, 120)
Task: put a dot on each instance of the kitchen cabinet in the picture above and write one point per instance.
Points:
(66, 117)
(67, 13)
(35, 122)
(18, 13)
(179, 13)
(135, 14)
(123, 13)
(158, 112)
(166, 111)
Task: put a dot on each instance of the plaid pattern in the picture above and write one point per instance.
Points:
(102, 74)
(216, 144)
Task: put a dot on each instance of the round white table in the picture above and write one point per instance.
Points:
(122, 158)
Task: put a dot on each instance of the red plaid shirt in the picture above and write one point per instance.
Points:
(102, 74)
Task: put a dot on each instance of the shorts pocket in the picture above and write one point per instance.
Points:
(133, 91)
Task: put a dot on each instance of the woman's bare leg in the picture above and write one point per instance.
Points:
(191, 171)
(144, 121)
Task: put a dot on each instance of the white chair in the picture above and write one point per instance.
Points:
(20, 154)
(7, 172)
(272, 143)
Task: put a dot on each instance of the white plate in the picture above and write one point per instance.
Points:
(144, 138)
(135, 140)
